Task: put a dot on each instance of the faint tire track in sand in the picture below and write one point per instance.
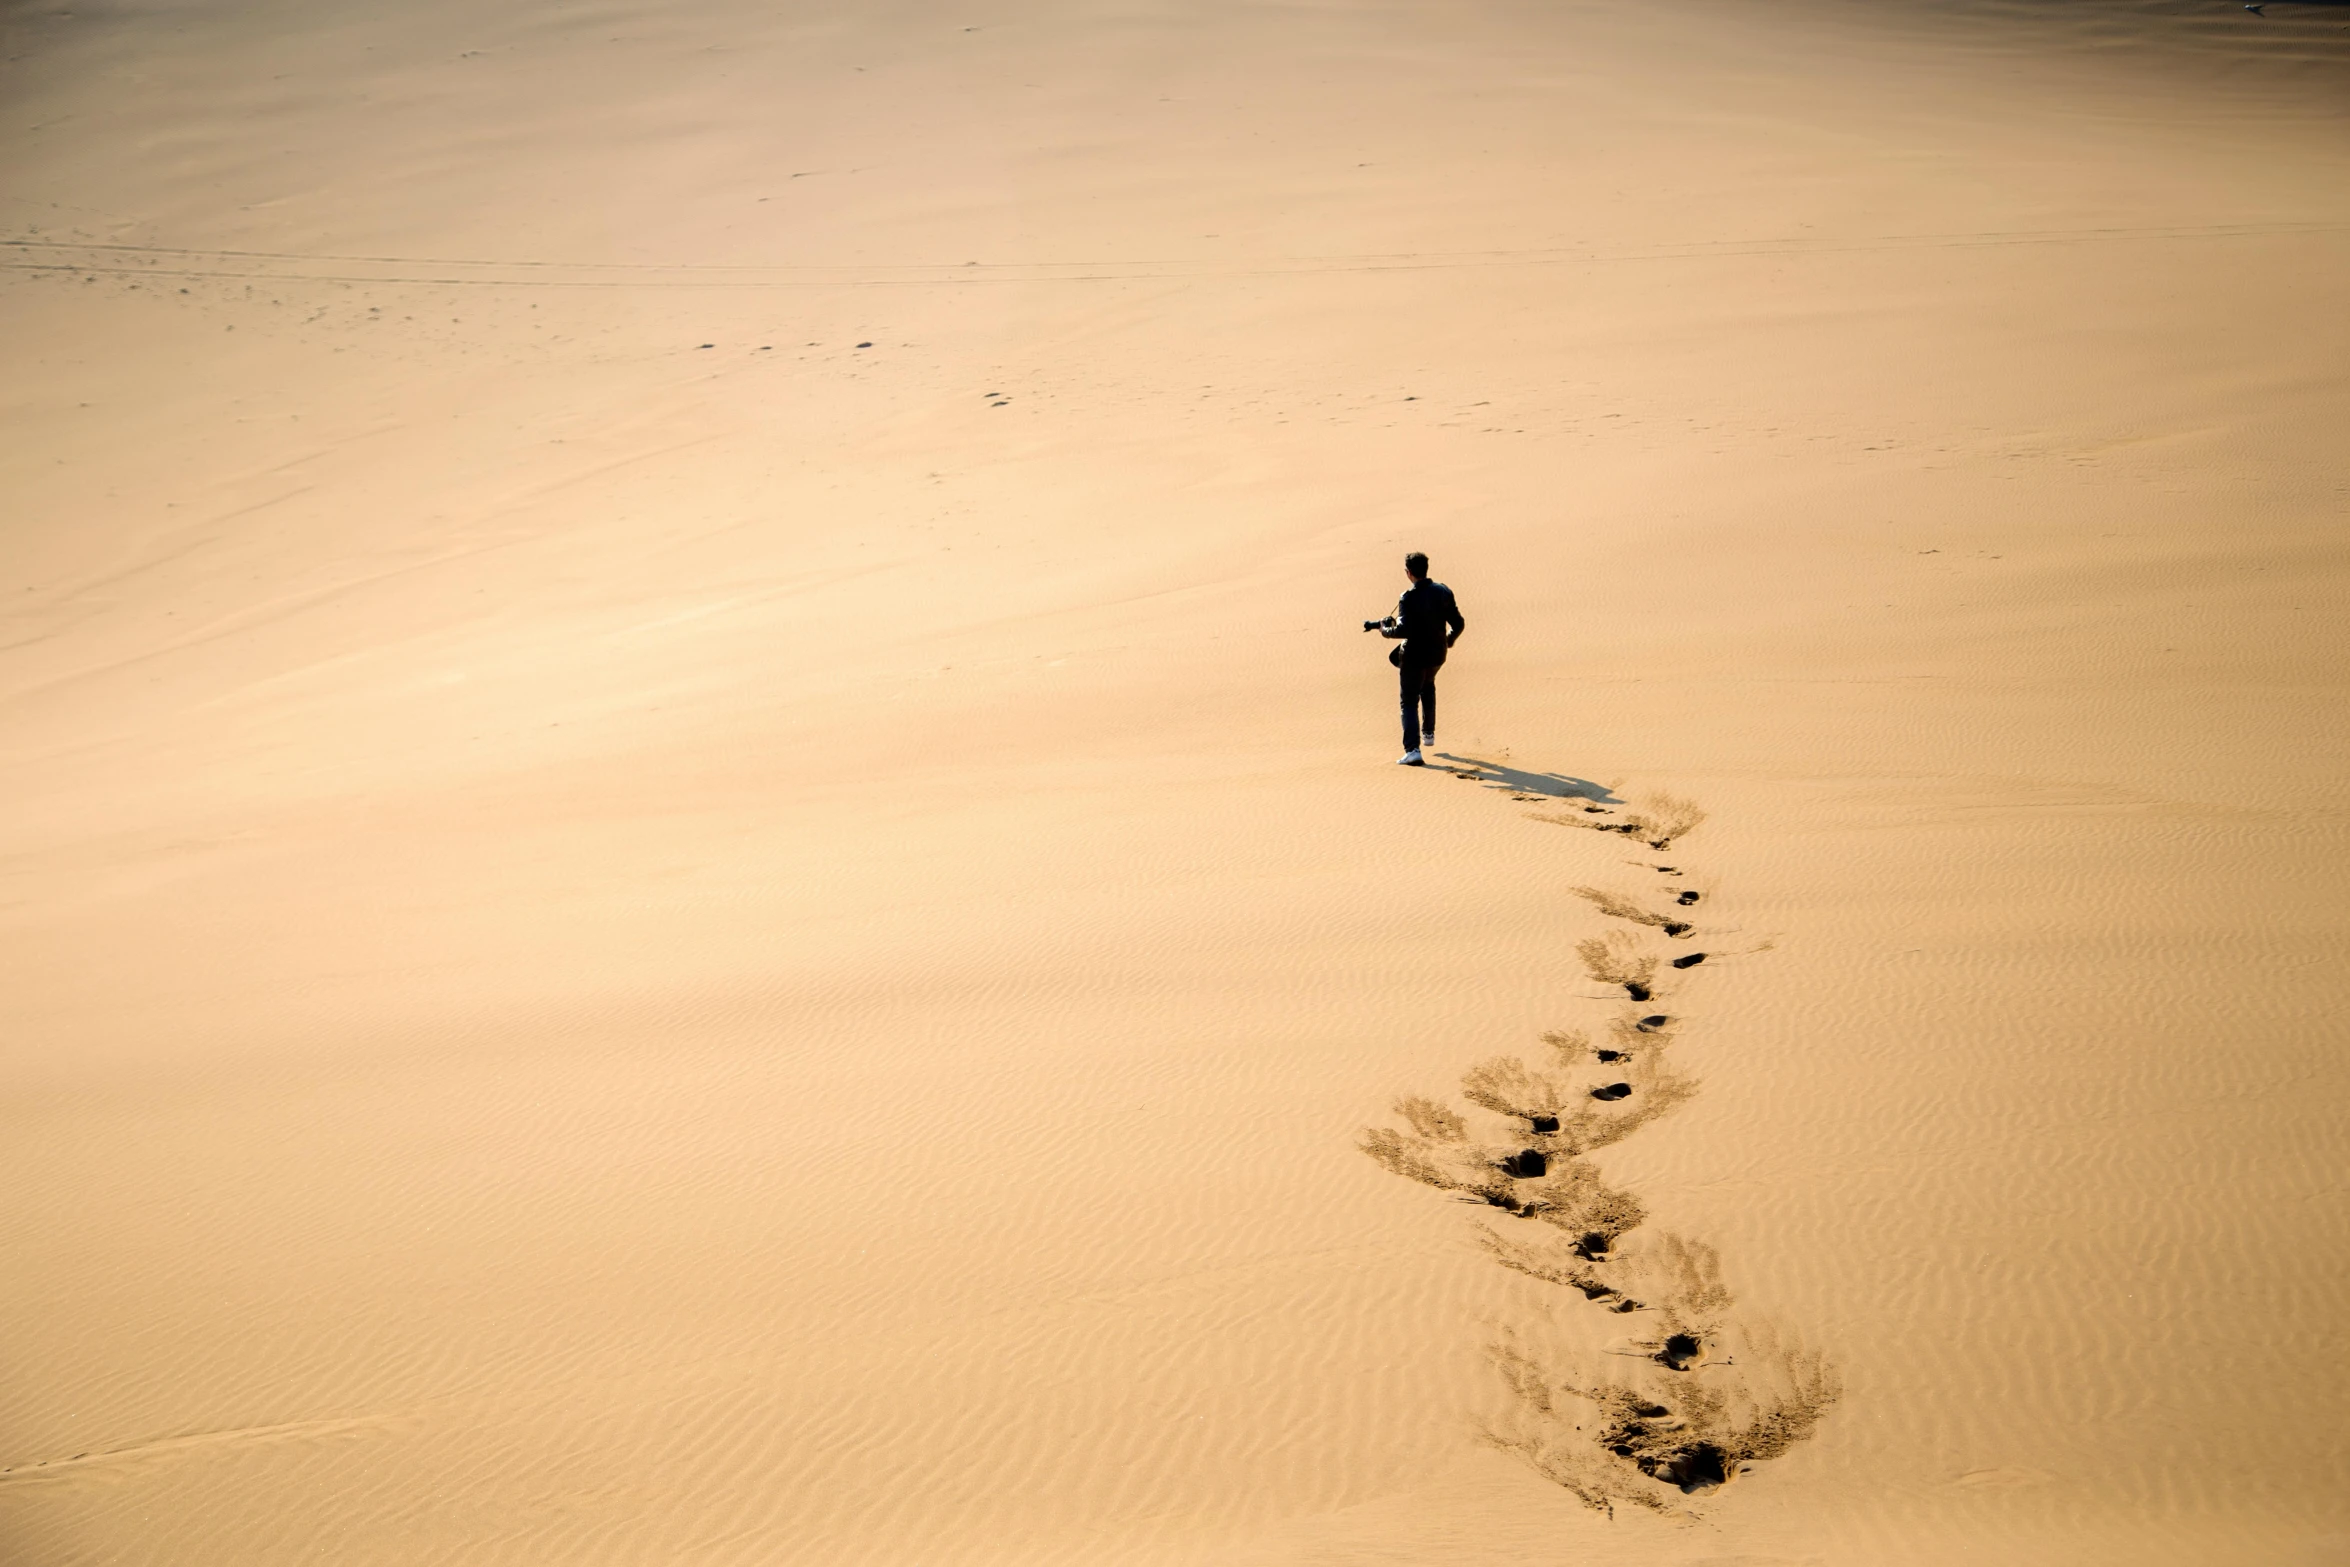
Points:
(72, 258)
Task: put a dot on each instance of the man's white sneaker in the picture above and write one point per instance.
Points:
(1410, 759)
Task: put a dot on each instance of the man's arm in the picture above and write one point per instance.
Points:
(1453, 620)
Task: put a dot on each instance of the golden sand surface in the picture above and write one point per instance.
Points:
(700, 866)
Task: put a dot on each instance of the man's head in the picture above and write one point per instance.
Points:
(1415, 566)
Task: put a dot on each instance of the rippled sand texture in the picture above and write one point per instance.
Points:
(699, 863)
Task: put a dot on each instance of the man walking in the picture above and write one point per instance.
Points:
(1427, 622)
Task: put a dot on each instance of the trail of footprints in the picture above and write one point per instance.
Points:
(1691, 1393)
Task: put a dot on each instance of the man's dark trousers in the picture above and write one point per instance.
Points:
(1419, 702)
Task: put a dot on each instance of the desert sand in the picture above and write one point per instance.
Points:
(700, 860)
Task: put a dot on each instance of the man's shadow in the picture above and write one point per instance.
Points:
(1516, 780)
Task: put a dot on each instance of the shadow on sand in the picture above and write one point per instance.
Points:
(1555, 786)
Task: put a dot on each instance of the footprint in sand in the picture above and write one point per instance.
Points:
(1681, 1351)
(1691, 1416)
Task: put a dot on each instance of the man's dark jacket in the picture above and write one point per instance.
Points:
(1425, 620)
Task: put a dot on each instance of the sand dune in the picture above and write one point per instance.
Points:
(700, 863)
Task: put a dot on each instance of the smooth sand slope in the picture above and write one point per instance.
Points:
(699, 866)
